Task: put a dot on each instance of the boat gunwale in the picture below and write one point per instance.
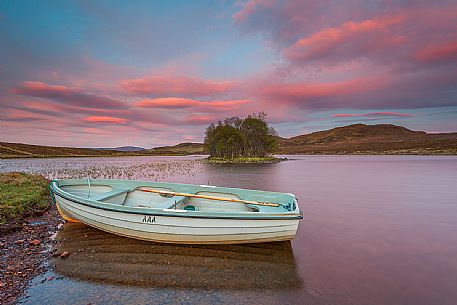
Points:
(56, 190)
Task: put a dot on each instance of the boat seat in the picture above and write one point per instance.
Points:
(111, 194)
(267, 209)
(169, 203)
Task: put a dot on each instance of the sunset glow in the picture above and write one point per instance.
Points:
(101, 74)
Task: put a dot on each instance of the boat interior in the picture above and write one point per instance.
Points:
(133, 196)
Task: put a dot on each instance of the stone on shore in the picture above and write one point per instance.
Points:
(35, 242)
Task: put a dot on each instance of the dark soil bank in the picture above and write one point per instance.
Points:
(24, 249)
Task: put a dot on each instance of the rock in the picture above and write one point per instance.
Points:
(35, 242)
(64, 254)
(19, 242)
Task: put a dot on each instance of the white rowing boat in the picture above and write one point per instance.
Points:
(178, 213)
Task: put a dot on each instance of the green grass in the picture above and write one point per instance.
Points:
(220, 160)
(22, 195)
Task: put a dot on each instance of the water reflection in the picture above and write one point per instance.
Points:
(377, 230)
(97, 256)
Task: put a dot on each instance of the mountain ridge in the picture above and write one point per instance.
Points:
(122, 148)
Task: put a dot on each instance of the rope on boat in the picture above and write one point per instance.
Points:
(270, 204)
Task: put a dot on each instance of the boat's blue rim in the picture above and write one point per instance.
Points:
(148, 212)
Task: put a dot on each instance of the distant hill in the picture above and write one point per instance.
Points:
(123, 148)
(352, 139)
(180, 149)
(370, 139)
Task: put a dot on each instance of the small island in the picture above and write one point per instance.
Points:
(236, 140)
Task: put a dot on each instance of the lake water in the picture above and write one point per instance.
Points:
(376, 230)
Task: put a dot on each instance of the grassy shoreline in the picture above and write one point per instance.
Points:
(22, 195)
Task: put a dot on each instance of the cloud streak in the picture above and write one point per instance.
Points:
(105, 119)
(181, 103)
(67, 95)
(174, 85)
(372, 114)
(348, 40)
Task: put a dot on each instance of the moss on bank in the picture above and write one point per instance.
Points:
(220, 160)
(22, 195)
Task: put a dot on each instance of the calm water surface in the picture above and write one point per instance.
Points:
(376, 230)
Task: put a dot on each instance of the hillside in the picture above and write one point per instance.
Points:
(352, 139)
(18, 150)
(370, 139)
(179, 149)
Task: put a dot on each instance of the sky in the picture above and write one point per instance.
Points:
(152, 73)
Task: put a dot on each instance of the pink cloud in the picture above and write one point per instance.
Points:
(372, 114)
(97, 131)
(189, 138)
(249, 8)
(179, 103)
(20, 118)
(443, 52)
(199, 120)
(38, 105)
(177, 86)
(168, 102)
(350, 38)
(105, 119)
(385, 91)
(355, 55)
(308, 31)
(21, 115)
(303, 92)
(67, 95)
(55, 108)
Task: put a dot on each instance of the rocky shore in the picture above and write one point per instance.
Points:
(24, 250)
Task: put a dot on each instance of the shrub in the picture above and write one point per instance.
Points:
(235, 137)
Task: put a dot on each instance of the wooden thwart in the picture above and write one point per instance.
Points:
(270, 204)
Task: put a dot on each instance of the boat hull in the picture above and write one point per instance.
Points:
(181, 230)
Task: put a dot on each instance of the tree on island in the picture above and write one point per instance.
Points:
(235, 137)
